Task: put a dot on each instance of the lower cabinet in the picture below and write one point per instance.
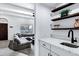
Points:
(46, 49)
(43, 51)
(61, 51)
(53, 54)
(46, 52)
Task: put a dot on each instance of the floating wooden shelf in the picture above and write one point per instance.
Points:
(65, 28)
(24, 35)
(63, 6)
(65, 17)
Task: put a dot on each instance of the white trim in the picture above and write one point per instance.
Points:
(12, 13)
(21, 7)
(16, 11)
(18, 16)
(3, 20)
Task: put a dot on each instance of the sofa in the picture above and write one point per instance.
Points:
(17, 45)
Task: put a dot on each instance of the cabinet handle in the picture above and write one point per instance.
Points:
(48, 54)
(44, 45)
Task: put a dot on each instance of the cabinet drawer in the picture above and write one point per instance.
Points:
(61, 51)
(44, 44)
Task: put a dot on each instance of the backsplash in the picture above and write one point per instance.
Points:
(66, 23)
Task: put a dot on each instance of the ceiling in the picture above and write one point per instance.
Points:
(51, 5)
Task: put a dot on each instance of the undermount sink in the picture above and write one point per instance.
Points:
(69, 45)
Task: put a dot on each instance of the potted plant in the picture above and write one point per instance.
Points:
(64, 12)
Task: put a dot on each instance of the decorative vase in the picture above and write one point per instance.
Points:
(76, 24)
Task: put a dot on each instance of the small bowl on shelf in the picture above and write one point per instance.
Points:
(56, 26)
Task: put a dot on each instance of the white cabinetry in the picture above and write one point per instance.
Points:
(61, 51)
(43, 51)
(44, 48)
(47, 49)
(53, 54)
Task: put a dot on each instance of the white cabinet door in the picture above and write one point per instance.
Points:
(61, 51)
(43, 51)
(44, 48)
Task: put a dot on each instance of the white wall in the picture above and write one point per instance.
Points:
(15, 18)
(25, 5)
(42, 23)
(69, 22)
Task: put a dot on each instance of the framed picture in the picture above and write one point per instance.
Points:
(26, 28)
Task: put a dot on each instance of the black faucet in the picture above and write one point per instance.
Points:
(72, 38)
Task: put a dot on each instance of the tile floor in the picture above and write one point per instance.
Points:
(9, 52)
(5, 51)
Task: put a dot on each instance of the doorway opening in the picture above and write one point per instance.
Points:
(3, 29)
